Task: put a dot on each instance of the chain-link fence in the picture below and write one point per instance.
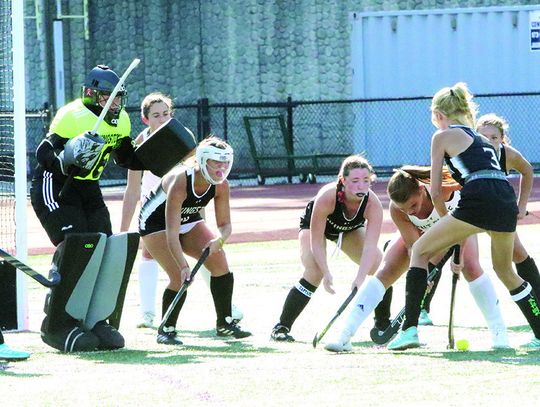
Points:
(390, 132)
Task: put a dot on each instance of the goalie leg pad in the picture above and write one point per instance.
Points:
(111, 285)
(77, 260)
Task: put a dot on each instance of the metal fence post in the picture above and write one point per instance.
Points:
(290, 145)
(203, 118)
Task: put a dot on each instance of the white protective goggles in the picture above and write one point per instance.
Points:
(208, 152)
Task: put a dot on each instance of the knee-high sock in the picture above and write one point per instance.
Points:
(415, 289)
(382, 311)
(485, 297)
(525, 298)
(148, 275)
(222, 289)
(369, 295)
(168, 297)
(296, 301)
(528, 271)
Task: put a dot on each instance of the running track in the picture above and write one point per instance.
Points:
(258, 213)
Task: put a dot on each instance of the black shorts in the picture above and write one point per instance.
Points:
(81, 209)
(155, 221)
(489, 204)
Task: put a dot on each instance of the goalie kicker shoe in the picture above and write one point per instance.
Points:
(168, 336)
(280, 333)
(231, 328)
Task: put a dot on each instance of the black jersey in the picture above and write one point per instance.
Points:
(480, 155)
(337, 222)
(152, 216)
(502, 158)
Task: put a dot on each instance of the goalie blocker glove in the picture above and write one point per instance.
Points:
(82, 151)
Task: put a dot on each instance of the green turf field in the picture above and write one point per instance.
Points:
(257, 372)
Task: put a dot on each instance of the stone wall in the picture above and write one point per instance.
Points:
(228, 51)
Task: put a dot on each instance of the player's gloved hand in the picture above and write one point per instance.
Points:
(82, 151)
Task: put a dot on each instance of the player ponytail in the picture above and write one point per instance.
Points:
(456, 103)
(406, 181)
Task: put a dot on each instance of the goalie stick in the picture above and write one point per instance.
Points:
(41, 279)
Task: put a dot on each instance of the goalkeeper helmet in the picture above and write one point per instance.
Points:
(100, 82)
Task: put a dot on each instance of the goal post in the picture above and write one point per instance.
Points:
(13, 161)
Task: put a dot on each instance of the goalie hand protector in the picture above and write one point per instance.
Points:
(82, 151)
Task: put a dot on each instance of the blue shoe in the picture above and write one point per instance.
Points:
(6, 353)
(424, 319)
(534, 344)
(406, 339)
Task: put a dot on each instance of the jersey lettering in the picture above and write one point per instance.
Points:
(494, 159)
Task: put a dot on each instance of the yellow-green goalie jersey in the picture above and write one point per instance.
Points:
(75, 119)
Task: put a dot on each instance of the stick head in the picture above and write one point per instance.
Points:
(315, 340)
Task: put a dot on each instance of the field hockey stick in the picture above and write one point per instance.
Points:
(74, 171)
(317, 338)
(41, 279)
(382, 337)
(184, 287)
(455, 278)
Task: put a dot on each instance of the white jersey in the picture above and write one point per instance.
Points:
(149, 180)
(425, 224)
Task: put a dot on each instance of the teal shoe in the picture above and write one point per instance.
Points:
(424, 319)
(6, 353)
(405, 340)
(534, 344)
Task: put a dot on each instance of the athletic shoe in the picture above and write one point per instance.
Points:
(534, 344)
(236, 313)
(109, 337)
(280, 333)
(339, 347)
(70, 338)
(168, 336)
(6, 353)
(424, 319)
(499, 338)
(147, 320)
(231, 328)
(406, 339)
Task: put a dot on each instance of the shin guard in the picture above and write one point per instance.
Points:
(526, 300)
(415, 287)
(296, 301)
(222, 290)
(382, 311)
